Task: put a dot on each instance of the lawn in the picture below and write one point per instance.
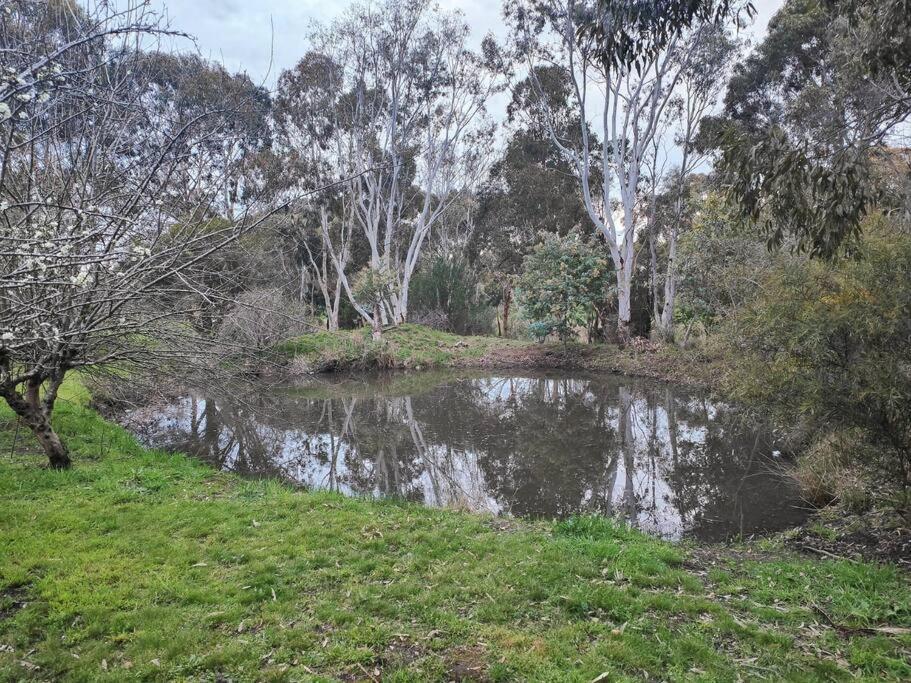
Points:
(141, 565)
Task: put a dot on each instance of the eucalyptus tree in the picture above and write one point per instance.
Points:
(530, 189)
(183, 87)
(315, 147)
(624, 62)
(96, 270)
(408, 111)
(700, 85)
(809, 117)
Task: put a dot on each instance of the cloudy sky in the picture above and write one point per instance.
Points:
(263, 37)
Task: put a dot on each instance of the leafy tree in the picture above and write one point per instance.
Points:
(624, 62)
(564, 285)
(629, 33)
(806, 114)
(530, 189)
(408, 131)
(721, 260)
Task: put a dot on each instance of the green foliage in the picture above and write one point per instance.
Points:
(783, 188)
(832, 344)
(719, 262)
(565, 280)
(628, 35)
(138, 565)
(530, 189)
(372, 286)
(447, 287)
(806, 114)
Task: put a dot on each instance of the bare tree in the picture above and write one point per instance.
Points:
(97, 267)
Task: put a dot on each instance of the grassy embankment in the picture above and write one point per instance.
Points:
(141, 565)
(416, 347)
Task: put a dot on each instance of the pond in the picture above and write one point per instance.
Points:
(538, 445)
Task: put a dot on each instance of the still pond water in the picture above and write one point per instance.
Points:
(534, 445)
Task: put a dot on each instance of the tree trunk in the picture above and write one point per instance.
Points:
(666, 321)
(624, 296)
(37, 418)
(507, 302)
(377, 323)
(57, 454)
(666, 324)
(653, 273)
(335, 306)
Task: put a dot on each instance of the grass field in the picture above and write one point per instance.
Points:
(138, 565)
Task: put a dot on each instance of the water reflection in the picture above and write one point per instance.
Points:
(547, 445)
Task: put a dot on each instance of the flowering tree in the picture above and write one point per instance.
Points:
(96, 269)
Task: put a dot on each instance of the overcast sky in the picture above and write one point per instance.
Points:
(248, 35)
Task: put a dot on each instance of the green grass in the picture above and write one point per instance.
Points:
(404, 346)
(412, 346)
(141, 565)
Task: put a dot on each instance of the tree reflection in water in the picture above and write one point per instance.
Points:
(533, 445)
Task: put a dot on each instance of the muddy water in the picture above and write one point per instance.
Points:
(534, 445)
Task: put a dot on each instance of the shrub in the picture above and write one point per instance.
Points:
(563, 285)
(263, 317)
(831, 344)
(446, 294)
(834, 468)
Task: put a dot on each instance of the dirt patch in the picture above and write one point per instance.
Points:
(467, 664)
(401, 651)
(13, 599)
(879, 536)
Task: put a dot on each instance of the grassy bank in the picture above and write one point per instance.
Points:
(142, 565)
(416, 347)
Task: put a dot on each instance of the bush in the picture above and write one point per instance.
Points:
(563, 286)
(831, 345)
(446, 294)
(719, 263)
(263, 317)
(834, 468)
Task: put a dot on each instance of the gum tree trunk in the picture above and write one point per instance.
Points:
(377, 323)
(507, 301)
(624, 298)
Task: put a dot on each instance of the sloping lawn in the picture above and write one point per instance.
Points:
(140, 565)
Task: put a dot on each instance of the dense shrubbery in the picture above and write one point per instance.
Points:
(446, 294)
(564, 286)
(830, 345)
(720, 262)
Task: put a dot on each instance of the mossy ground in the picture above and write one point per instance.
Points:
(141, 565)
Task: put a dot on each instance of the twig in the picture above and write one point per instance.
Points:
(827, 553)
(855, 630)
